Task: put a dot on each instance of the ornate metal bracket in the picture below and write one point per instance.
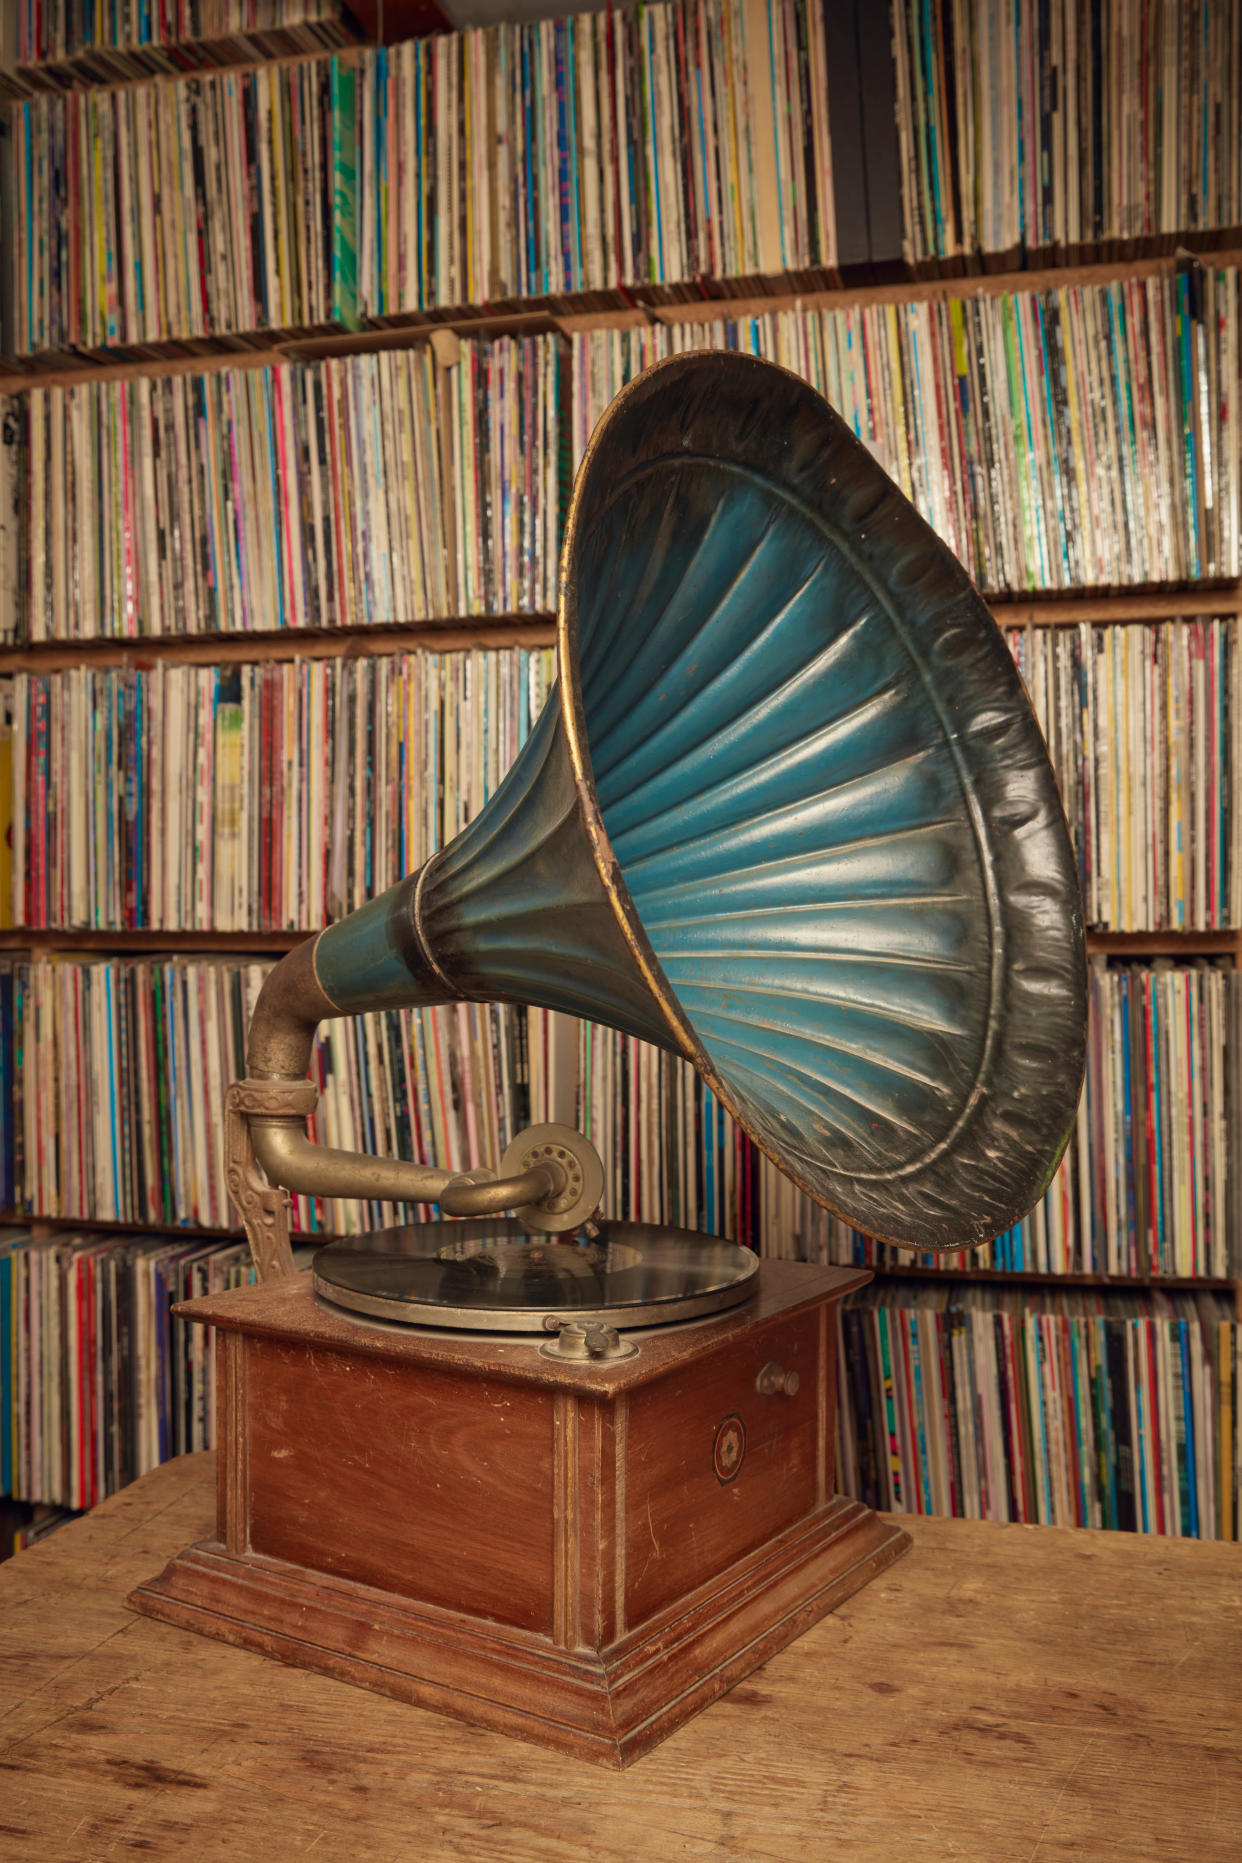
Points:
(264, 1210)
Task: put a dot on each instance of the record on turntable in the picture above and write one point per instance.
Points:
(494, 1276)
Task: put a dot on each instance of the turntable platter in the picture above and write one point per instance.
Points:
(493, 1276)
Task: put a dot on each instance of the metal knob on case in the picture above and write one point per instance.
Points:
(774, 1381)
(584, 1341)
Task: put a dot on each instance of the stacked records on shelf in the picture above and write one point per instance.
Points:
(1142, 724)
(98, 1382)
(186, 796)
(182, 209)
(370, 490)
(1046, 129)
(662, 151)
(671, 1152)
(637, 146)
(201, 798)
(9, 1086)
(14, 529)
(1054, 439)
(1066, 1407)
(646, 146)
(1155, 1167)
(1149, 1185)
(451, 1085)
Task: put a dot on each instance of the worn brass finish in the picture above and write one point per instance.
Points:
(291, 1160)
(267, 1115)
(572, 1155)
(478, 1193)
(263, 1208)
(290, 1008)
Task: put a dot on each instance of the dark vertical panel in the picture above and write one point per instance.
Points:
(849, 170)
(878, 97)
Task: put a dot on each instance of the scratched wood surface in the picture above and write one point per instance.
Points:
(1003, 1695)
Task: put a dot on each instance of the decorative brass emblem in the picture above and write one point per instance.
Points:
(729, 1449)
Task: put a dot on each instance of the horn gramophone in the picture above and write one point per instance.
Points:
(789, 815)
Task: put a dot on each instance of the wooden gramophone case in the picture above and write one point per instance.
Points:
(583, 1555)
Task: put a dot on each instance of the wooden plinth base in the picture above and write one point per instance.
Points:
(610, 1707)
(582, 1556)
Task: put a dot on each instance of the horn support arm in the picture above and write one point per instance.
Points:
(268, 1153)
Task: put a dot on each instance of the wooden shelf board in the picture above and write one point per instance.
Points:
(617, 308)
(450, 635)
(407, 333)
(82, 941)
(68, 375)
(1117, 1283)
(537, 630)
(1215, 598)
(923, 287)
(1164, 943)
(624, 317)
(49, 1225)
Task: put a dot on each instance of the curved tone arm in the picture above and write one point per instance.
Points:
(295, 1162)
(266, 1126)
(481, 1193)
(292, 1160)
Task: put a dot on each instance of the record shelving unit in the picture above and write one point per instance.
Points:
(566, 316)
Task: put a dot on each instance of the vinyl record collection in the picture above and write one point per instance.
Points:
(343, 493)
(165, 1038)
(98, 1383)
(1146, 1188)
(14, 504)
(1142, 725)
(1149, 1186)
(1024, 125)
(641, 146)
(458, 142)
(1075, 439)
(1068, 1407)
(127, 786)
(9, 1086)
(109, 41)
(201, 797)
(649, 149)
(182, 209)
(1054, 439)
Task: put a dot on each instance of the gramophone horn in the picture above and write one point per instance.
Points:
(789, 815)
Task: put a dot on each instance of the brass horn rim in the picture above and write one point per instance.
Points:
(1016, 930)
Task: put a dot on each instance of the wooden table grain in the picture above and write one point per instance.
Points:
(1002, 1695)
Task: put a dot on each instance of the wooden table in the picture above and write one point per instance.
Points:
(1002, 1693)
